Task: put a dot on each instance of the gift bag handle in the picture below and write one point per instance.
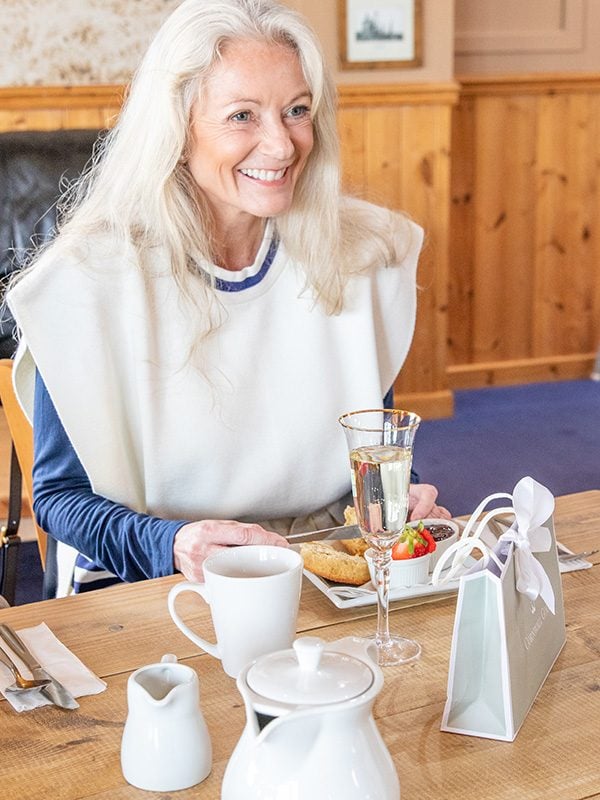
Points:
(465, 545)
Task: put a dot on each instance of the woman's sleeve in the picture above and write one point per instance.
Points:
(132, 546)
(388, 402)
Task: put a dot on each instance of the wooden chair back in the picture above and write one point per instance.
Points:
(21, 434)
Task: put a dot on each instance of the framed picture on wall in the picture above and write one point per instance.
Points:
(380, 34)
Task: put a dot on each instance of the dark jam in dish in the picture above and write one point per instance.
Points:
(440, 532)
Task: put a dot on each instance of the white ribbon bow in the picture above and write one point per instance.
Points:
(532, 504)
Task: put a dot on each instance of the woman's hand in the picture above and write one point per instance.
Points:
(197, 540)
(421, 502)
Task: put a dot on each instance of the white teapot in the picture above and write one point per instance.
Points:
(309, 728)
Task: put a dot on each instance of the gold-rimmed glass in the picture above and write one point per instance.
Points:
(380, 442)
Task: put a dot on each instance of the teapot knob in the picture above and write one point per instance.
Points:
(309, 650)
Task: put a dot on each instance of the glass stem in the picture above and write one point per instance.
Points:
(382, 562)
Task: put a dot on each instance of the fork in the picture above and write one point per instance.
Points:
(574, 556)
(349, 592)
(20, 681)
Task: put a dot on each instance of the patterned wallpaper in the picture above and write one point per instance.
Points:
(56, 42)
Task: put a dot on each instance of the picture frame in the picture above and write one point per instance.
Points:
(380, 34)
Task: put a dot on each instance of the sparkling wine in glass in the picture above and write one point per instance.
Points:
(380, 442)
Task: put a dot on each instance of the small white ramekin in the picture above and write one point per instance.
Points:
(404, 572)
(443, 545)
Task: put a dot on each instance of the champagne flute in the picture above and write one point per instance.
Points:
(380, 442)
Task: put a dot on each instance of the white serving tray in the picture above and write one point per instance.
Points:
(354, 596)
(342, 596)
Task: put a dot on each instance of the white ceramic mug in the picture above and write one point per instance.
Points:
(253, 592)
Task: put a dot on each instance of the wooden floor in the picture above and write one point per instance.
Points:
(26, 530)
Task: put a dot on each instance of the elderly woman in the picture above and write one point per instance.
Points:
(209, 307)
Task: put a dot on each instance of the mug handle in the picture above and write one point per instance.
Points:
(199, 588)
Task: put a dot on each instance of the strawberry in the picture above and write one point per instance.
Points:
(413, 543)
(420, 550)
(400, 551)
(431, 543)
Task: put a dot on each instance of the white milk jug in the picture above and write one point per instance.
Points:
(309, 728)
(166, 745)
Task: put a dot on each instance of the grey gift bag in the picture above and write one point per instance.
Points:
(509, 626)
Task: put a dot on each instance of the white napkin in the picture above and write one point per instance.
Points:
(57, 660)
(573, 564)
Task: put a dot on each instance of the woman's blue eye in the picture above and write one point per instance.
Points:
(241, 116)
(298, 111)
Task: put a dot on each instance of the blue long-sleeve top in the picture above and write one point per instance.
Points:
(131, 545)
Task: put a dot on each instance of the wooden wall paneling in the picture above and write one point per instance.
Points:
(536, 83)
(86, 118)
(566, 225)
(351, 126)
(517, 242)
(49, 119)
(583, 225)
(58, 107)
(523, 370)
(425, 180)
(395, 152)
(462, 233)
(490, 223)
(383, 155)
(30, 119)
(503, 245)
(529, 234)
(550, 232)
(8, 120)
(594, 205)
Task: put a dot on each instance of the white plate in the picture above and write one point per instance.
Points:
(365, 594)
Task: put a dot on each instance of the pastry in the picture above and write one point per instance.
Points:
(356, 546)
(334, 564)
(350, 515)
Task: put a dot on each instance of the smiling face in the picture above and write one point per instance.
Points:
(251, 132)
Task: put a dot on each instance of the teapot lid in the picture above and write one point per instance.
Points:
(309, 675)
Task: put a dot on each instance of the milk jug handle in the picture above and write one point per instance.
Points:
(200, 589)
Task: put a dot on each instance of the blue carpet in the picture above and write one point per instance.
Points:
(550, 431)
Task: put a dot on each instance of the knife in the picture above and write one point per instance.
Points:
(54, 691)
(326, 534)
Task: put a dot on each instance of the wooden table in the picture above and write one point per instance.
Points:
(57, 755)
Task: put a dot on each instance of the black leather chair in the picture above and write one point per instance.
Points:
(35, 167)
